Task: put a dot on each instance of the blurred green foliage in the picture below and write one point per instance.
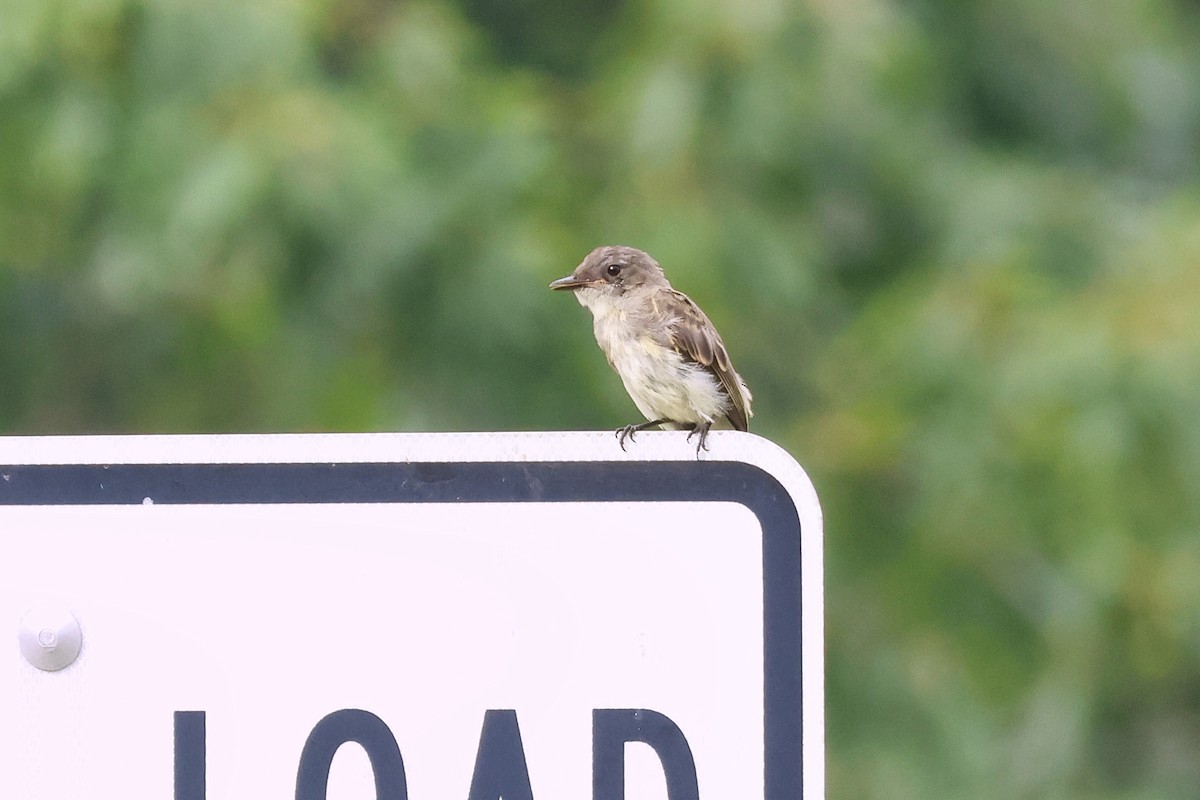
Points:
(953, 246)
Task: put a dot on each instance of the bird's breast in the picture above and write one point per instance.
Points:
(661, 382)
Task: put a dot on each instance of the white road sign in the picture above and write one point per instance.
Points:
(475, 616)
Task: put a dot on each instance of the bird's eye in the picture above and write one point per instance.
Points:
(614, 270)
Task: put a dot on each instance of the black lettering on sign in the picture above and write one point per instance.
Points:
(363, 728)
(613, 727)
(189, 755)
(500, 767)
(501, 771)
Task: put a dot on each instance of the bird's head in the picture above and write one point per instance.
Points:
(612, 271)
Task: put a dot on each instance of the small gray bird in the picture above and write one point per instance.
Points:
(667, 352)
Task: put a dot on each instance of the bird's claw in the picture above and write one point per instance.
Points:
(703, 431)
(626, 432)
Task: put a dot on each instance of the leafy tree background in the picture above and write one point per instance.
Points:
(952, 245)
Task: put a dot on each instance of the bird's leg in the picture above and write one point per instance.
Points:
(702, 429)
(628, 431)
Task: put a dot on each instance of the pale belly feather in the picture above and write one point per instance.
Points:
(661, 383)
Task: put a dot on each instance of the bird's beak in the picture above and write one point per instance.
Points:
(570, 282)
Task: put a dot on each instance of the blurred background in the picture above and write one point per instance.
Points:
(952, 245)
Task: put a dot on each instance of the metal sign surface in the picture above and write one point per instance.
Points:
(483, 616)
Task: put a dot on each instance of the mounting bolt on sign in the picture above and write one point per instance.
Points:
(49, 638)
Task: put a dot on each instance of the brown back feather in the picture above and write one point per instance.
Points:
(695, 338)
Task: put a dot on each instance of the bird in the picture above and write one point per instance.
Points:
(663, 346)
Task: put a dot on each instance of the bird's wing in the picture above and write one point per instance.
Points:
(696, 339)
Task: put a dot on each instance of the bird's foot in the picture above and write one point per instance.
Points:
(702, 429)
(628, 431)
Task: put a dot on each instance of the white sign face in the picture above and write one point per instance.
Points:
(492, 616)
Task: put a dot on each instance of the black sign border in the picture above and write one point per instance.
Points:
(492, 482)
